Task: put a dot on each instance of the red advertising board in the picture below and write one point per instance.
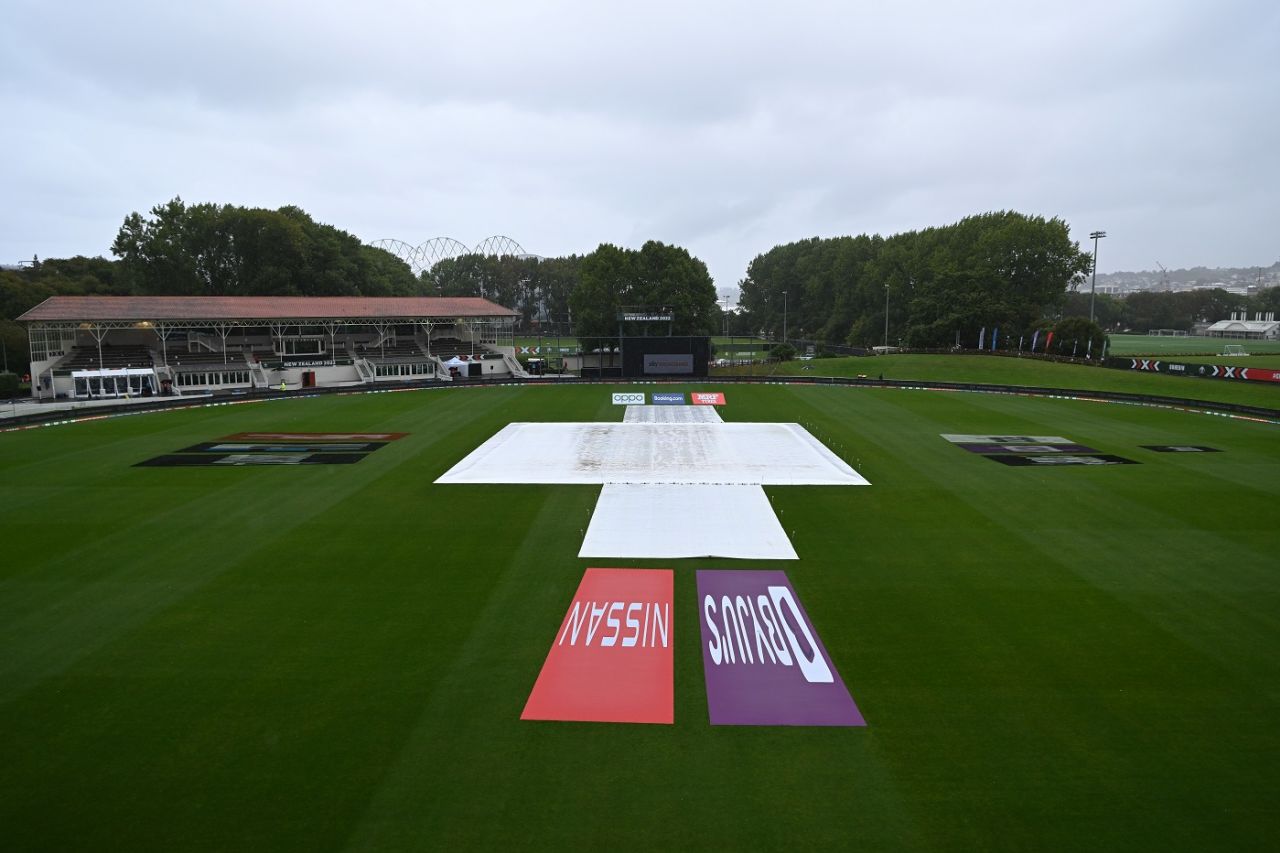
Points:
(611, 660)
(707, 398)
(1260, 374)
(1213, 371)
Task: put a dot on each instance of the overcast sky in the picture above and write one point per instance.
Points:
(726, 128)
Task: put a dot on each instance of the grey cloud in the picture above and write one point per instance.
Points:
(725, 127)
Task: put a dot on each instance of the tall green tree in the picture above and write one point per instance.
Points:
(23, 289)
(1264, 301)
(538, 288)
(657, 276)
(1002, 268)
(1079, 336)
(225, 250)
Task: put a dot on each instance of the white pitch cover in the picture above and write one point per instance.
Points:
(759, 454)
(672, 415)
(674, 522)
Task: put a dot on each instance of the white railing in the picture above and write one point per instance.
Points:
(364, 370)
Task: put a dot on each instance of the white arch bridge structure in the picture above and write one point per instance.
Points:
(422, 257)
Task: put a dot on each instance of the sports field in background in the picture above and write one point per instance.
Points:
(1189, 345)
(996, 369)
(335, 657)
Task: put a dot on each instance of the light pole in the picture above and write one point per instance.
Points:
(784, 316)
(886, 316)
(1095, 236)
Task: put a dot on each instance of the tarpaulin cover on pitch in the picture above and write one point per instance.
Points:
(670, 522)
(700, 453)
(672, 415)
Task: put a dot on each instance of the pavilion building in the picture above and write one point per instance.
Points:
(126, 346)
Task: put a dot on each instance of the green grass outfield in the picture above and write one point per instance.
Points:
(336, 657)
(1024, 371)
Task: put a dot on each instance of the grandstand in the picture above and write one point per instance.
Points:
(115, 346)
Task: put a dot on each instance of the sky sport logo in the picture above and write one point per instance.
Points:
(764, 664)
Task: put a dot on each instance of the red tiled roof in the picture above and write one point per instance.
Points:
(93, 308)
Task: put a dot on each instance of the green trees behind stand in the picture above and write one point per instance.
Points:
(225, 250)
(1001, 269)
(656, 276)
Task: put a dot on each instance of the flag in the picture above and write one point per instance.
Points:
(1089, 349)
(1105, 341)
(1075, 345)
(995, 334)
(1035, 337)
(1048, 342)
(1021, 338)
(982, 338)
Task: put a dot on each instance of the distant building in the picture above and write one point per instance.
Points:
(1258, 329)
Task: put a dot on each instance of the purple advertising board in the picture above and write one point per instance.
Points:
(764, 662)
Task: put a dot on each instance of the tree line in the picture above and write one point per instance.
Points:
(934, 286)
(226, 250)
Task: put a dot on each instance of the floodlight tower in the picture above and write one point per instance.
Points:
(1095, 236)
(784, 316)
(886, 316)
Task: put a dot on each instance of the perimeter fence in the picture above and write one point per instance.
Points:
(62, 415)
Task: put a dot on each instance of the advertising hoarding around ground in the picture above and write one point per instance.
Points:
(656, 356)
(667, 364)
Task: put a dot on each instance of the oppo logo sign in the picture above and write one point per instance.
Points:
(631, 398)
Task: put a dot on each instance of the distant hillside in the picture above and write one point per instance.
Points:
(1228, 278)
